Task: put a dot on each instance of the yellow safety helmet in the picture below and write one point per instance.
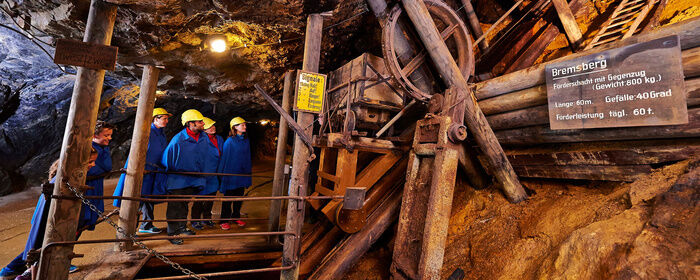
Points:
(191, 115)
(160, 111)
(208, 123)
(236, 121)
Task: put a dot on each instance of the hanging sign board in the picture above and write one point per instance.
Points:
(310, 92)
(87, 55)
(636, 85)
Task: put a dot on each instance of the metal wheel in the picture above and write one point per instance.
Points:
(453, 32)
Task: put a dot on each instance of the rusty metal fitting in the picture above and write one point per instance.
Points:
(457, 133)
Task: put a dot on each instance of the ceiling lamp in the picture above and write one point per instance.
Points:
(217, 43)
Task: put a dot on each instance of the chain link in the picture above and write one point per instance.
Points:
(133, 236)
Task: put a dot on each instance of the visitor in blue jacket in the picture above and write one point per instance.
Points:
(153, 183)
(37, 229)
(236, 160)
(185, 153)
(202, 210)
(95, 175)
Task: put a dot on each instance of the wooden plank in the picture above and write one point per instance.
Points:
(214, 259)
(363, 143)
(83, 54)
(414, 205)
(62, 220)
(128, 213)
(538, 45)
(325, 244)
(688, 31)
(625, 153)
(375, 170)
(568, 21)
(585, 172)
(542, 134)
(115, 265)
(346, 254)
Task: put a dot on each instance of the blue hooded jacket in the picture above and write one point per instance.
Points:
(235, 159)
(153, 183)
(211, 164)
(184, 154)
(102, 164)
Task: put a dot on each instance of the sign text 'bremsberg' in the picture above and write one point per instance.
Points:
(636, 85)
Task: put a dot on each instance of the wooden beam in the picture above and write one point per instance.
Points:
(128, 212)
(474, 118)
(474, 24)
(688, 31)
(520, 99)
(568, 21)
(542, 134)
(414, 205)
(605, 153)
(280, 156)
(346, 254)
(299, 178)
(63, 214)
(624, 173)
(520, 118)
(540, 44)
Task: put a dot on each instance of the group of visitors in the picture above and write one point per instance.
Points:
(196, 148)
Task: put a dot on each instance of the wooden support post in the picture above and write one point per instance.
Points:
(300, 166)
(280, 156)
(75, 151)
(474, 24)
(474, 118)
(568, 21)
(128, 213)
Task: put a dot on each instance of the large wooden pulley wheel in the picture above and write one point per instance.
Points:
(453, 32)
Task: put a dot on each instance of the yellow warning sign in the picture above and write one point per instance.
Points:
(310, 92)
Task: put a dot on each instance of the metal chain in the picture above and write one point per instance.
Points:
(133, 236)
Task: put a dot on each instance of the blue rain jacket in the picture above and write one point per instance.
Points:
(211, 164)
(153, 183)
(38, 225)
(184, 154)
(102, 164)
(235, 159)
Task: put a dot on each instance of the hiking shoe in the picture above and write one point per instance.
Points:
(72, 269)
(197, 225)
(176, 241)
(225, 226)
(187, 232)
(209, 224)
(150, 230)
(8, 272)
(239, 223)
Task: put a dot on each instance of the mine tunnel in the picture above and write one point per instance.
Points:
(360, 139)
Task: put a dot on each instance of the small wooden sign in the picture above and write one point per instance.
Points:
(87, 55)
(636, 85)
(310, 92)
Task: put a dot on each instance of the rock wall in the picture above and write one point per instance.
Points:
(647, 229)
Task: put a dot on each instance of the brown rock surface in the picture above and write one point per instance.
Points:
(641, 230)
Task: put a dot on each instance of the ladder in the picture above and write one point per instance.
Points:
(623, 22)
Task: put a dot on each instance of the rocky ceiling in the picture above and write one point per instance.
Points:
(264, 38)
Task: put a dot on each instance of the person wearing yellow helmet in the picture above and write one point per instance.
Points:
(202, 210)
(235, 159)
(185, 153)
(153, 183)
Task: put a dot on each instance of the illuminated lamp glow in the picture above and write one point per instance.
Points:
(218, 45)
